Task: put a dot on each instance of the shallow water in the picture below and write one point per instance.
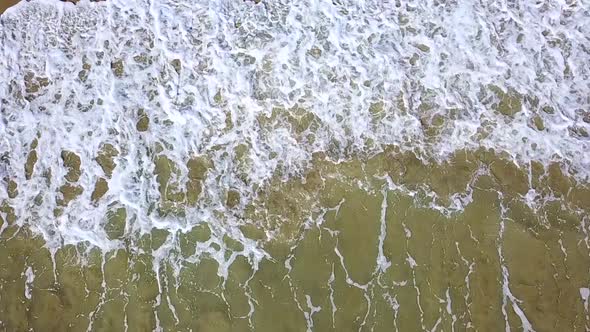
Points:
(302, 165)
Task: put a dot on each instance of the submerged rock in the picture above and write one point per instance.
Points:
(118, 68)
(30, 164)
(538, 123)
(233, 198)
(69, 192)
(510, 102)
(105, 158)
(177, 65)
(101, 186)
(8, 212)
(143, 121)
(116, 220)
(72, 162)
(12, 188)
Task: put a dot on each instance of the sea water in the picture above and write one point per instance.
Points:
(295, 166)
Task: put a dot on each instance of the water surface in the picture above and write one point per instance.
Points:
(290, 166)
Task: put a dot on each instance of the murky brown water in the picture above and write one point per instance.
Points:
(4, 4)
(372, 256)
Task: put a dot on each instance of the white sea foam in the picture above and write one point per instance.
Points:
(30, 277)
(239, 60)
